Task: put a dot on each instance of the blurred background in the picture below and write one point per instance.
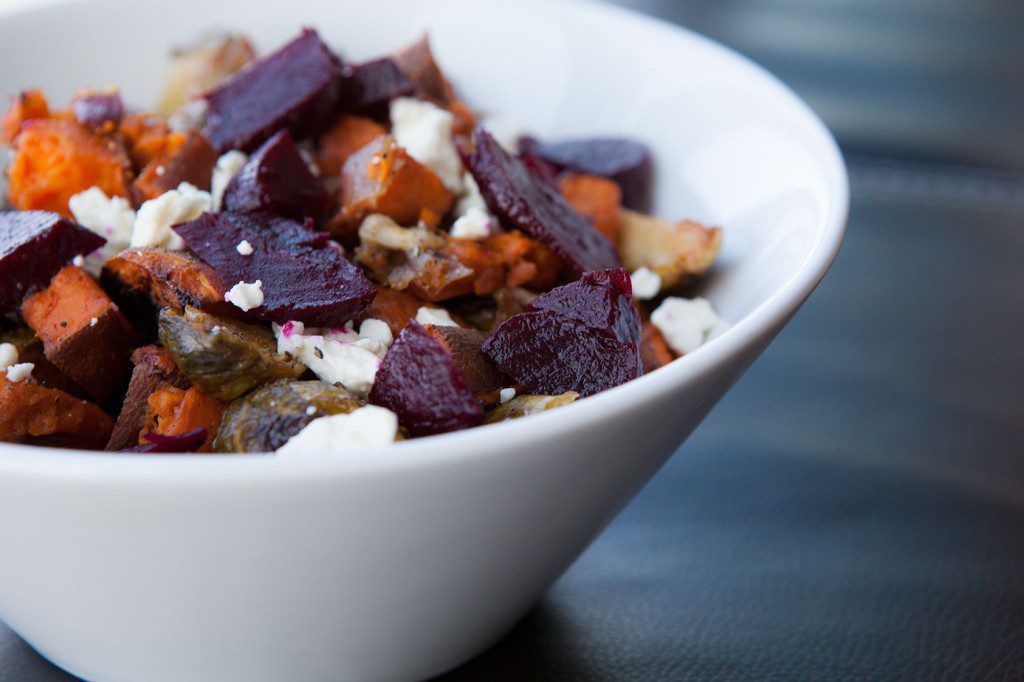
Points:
(855, 507)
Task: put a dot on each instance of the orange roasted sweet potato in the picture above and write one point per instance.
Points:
(191, 162)
(382, 178)
(83, 332)
(29, 105)
(654, 351)
(55, 159)
(464, 345)
(598, 198)
(395, 308)
(147, 138)
(168, 278)
(173, 412)
(346, 136)
(30, 413)
(154, 370)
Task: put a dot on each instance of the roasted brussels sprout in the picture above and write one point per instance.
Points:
(265, 419)
(525, 405)
(223, 357)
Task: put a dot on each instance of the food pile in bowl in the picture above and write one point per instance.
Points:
(303, 255)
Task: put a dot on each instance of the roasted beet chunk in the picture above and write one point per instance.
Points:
(277, 178)
(370, 87)
(98, 109)
(582, 337)
(304, 274)
(34, 246)
(296, 87)
(181, 443)
(627, 162)
(522, 201)
(421, 383)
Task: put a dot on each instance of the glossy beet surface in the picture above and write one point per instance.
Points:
(296, 87)
(582, 337)
(304, 275)
(420, 382)
(277, 178)
(98, 108)
(523, 201)
(34, 246)
(370, 87)
(627, 162)
(162, 443)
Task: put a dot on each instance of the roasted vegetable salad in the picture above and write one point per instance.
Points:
(299, 254)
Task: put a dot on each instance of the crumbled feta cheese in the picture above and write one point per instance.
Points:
(20, 371)
(337, 356)
(685, 323)
(78, 261)
(646, 283)
(94, 321)
(8, 355)
(425, 131)
(160, 170)
(310, 410)
(378, 330)
(245, 295)
(309, 156)
(156, 216)
(506, 395)
(340, 433)
(226, 169)
(110, 217)
(244, 248)
(438, 317)
(475, 224)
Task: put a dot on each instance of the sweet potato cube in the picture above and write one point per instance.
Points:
(481, 373)
(346, 136)
(168, 278)
(191, 162)
(84, 333)
(154, 370)
(654, 351)
(30, 349)
(55, 160)
(173, 412)
(675, 251)
(393, 307)
(30, 413)
(148, 138)
(598, 198)
(29, 105)
(382, 178)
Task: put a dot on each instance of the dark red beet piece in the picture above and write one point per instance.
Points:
(34, 246)
(540, 168)
(626, 162)
(296, 87)
(305, 275)
(277, 178)
(370, 87)
(98, 108)
(524, 202)
(583, 337)
(420, 382)
(190, 441)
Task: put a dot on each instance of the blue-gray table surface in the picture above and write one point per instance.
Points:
(854, 508)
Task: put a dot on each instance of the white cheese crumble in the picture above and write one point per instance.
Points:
(646, 283)
(377, 330)
(685, 323)
(110, 217)
(244, 248)
(246, 295)
(8, 355)
(156, 216)
(340, 433)
(20, 372)
(94, 321)
(438, 317)
(228, 166)
(506, 394)
(425, 131)
(474, 224)
(338, 356)
(78, 261)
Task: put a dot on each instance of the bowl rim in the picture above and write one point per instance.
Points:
(445, 449)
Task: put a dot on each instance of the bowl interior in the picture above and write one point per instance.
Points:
(732, 146)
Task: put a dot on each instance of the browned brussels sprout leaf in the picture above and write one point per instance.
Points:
(265, 419)
(223, 357)
(525, 405)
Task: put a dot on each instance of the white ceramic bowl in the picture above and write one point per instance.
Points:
(401, 563)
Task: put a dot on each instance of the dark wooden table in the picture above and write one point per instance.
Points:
(854, 509)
